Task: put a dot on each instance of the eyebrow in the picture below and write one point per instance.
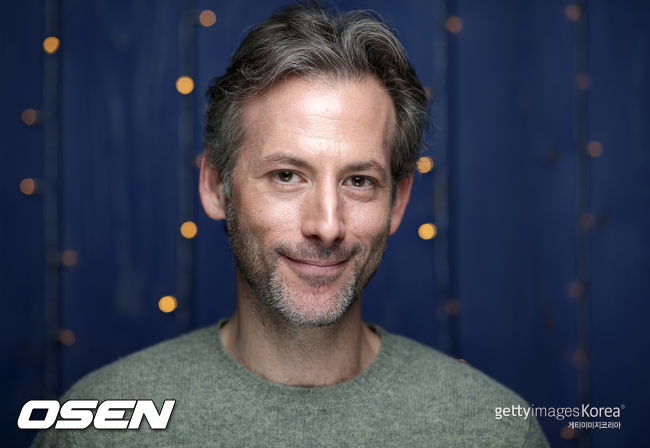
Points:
(369, 165)
(282, 157)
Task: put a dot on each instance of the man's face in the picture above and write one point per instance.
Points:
(310, 211)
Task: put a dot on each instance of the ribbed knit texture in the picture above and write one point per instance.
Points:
(411, 396)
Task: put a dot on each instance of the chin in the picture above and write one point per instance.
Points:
(312, 308)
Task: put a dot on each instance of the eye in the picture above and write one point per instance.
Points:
(360, 182)
(287, 177)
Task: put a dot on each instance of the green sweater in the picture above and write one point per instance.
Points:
(411, 396)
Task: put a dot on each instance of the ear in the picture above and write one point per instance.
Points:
(402, 196)
(211, 190)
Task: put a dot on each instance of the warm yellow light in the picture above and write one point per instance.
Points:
(28, 116)
(67, 337)
(51, 44)
(189, 230)
(69, 258)
(207, 18)
(573, 12)
(28, 186)
(427, 231)
(594, 149)
(454, 25)
(185, 85)
(167, 304)
(424, 164)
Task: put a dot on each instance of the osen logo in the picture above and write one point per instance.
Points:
(79, 414)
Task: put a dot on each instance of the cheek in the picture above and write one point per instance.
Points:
(367, 220)
(266, 213)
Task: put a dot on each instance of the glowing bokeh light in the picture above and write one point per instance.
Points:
(582, 81)
(452, 307)
(67, 337)
(29, 116)
(454, 25)
(28, 186)
(207, 18)
(189, 230)
(185, 85)
(424, 164)
(573, 12)
(167, 304)
(51, 44)
(567, 433)
(427, 231)
(587, 220)
(69, 258)
(576, 290)
(594, 149)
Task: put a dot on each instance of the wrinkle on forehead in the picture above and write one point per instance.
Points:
(317, 108)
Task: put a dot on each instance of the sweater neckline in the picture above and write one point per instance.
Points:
(371, 381)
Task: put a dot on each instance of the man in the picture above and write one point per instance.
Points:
(311, 141)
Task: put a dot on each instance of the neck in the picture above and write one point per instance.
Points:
(266, 345)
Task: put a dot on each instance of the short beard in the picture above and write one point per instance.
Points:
(258, 266)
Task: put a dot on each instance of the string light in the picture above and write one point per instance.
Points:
(594, 149)
(185, 85)
(67, 337)
(28, 186)
(167, 304)
(189, 230)
(427, 231)
(424, 164)
(207, 18)
(454, 25)
(29, 116)
(573, 12)
(69, 258)
(581, 358)
(51, 44)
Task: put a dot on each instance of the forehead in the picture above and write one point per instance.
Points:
(345, 119)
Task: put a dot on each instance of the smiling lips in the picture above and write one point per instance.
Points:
(316, 268)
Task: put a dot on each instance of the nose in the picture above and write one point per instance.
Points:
(322, 216)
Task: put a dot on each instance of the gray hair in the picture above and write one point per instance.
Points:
(308, 42)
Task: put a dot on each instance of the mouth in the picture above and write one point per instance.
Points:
(308, 268)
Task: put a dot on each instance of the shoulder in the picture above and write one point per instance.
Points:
(160, 372)
(430, 369)
(155, 369)
(466, 399)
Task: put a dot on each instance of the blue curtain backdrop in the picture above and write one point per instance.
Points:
(539, 272)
